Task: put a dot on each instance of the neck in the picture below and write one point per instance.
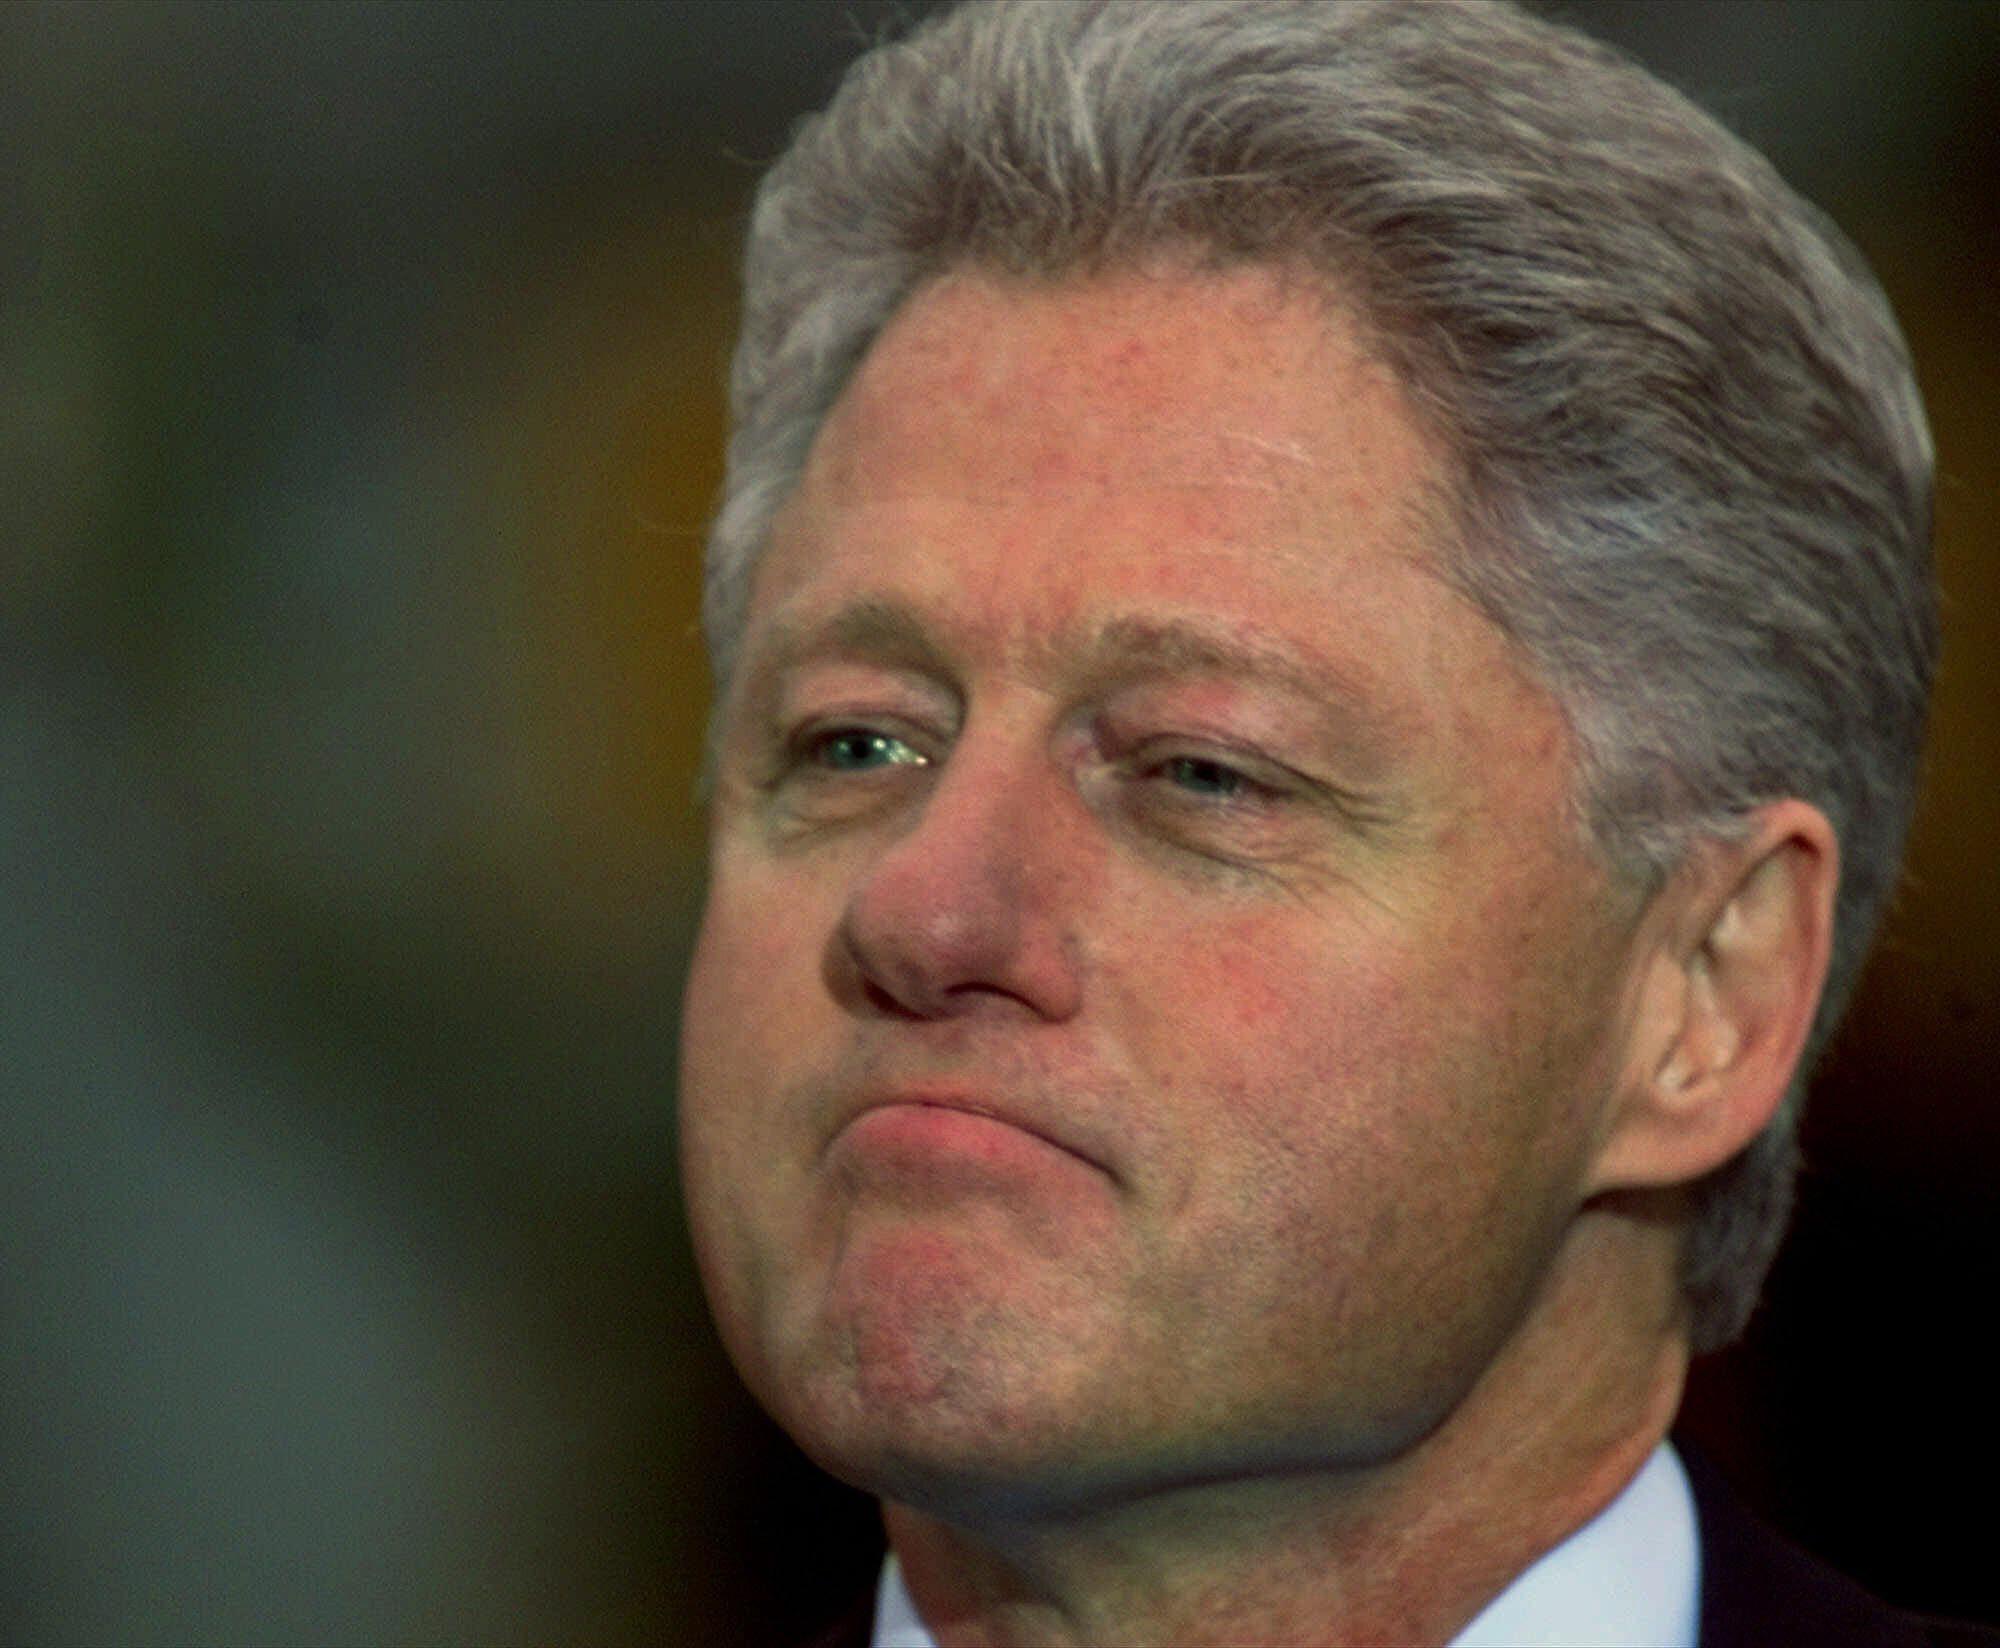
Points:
(1405, 1550)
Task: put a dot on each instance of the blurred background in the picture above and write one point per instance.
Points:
(359, 414)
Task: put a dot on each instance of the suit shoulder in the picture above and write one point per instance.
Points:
(1759, 1590)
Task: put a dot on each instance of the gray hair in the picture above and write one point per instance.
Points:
(1694, 474)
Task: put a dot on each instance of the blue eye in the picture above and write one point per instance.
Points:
(859, 749)
(1208, 779)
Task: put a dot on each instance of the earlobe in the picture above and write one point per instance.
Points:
(1736, 962)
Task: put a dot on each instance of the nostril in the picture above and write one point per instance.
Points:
(881, 1001)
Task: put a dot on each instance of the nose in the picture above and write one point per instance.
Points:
(970, 910)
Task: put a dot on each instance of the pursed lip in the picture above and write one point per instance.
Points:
(1056, 1133)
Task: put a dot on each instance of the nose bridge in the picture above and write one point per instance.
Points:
(967, 905)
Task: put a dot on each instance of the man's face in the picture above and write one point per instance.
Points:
(1153, 1008)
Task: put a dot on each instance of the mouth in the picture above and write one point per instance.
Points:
(920, 1129)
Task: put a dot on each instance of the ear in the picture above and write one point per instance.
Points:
(1731, 973)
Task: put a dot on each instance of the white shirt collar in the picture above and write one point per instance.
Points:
(896, 1622)
(1629, 1578)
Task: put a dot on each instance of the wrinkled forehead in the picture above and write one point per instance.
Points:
(1210, 427)
(1164, 410)
(974, 346)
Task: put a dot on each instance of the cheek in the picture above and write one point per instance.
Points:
(1335, 1092)
(1288, 1021)
(738, 1164)
(762, 938)
(1326, 1160)
(1293, 1077)
(744, 994)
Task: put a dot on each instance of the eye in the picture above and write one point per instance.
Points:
(1199, 775)
(862, 749)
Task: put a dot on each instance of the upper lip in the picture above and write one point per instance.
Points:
(1060, 1131)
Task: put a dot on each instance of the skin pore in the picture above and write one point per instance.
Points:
(1170, 1102)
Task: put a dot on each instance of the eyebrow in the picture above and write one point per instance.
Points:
(881, 631)
(1366, 725)
(1124, 648)
(1135, 645)
(868, 628)
(1127, 645)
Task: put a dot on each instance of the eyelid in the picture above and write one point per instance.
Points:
(862, 689)
(1251, 765)
(1274, 784)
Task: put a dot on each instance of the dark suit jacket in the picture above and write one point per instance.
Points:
(1758, 1590)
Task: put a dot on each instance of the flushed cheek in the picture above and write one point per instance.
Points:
(745, 1017)
(767, 900)
(1299, 1019)
(1312, 1089)
(765, 937)
(741, 1160)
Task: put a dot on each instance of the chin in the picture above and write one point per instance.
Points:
(962, 1437)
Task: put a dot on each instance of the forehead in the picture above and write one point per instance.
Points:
(1162, 430)
(1251, 379)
